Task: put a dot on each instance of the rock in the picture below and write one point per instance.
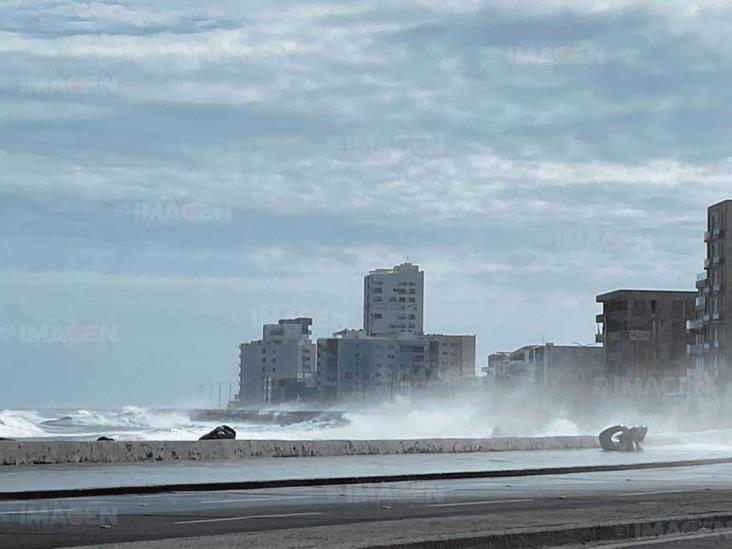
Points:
(103, 438)
(7, 439)
(222, 432)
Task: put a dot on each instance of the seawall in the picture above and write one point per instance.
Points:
(60, 452)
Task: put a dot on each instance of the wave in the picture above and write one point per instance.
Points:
(402, 418)
(20, 424)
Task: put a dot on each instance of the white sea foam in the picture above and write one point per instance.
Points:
(20, 423)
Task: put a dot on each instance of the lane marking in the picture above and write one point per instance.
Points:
(721, 533)
(259, 499)
(488, 502)
(633, 494)
(247, 517)
(38, 511)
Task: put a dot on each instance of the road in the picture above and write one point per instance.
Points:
(359, 515)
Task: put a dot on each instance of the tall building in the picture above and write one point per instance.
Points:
(393, 303)
(644, 334)
(357, 367)
(712, 329)
(454, 357)
(281, 366)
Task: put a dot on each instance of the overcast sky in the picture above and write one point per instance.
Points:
(172, 176)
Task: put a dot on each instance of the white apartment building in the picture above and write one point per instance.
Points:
(270, 367)
(394, 302)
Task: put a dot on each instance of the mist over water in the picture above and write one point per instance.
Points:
(471, 415)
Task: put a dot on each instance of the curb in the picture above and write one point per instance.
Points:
(299, 482)
(657, 529)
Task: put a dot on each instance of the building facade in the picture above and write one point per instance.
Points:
(453, 356)
(279, 367)
(554, 369)
(394, 302)
(644, 336)
(711, 328)
(353, 366)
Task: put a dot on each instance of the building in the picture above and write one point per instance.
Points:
(394, 302)
(644, 336)
(567, 370)
(279, 367)
(353, 366)
(711, 328)
(454, 357)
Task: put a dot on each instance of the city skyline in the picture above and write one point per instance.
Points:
(175, 176)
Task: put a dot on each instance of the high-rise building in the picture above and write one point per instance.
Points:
(276, 367)
(644, 335)
(712, 328)
(393, 304)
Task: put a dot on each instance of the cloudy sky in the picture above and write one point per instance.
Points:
(172, 175)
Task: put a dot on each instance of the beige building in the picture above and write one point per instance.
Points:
(454, 357)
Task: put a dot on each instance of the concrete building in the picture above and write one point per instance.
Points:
(394, 302)
(353, 366)
(644, 336)
(566, 370)
(279, 367)
(454, 357)
(711, 328)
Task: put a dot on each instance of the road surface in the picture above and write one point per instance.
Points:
(361, 515)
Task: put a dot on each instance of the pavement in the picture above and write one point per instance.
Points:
(72, 476)
(500, 512)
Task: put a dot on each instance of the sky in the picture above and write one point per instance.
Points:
(174, 174)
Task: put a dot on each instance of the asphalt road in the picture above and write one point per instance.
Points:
(353, 515)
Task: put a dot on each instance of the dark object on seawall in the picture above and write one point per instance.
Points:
(222, 432)
(620, 438)
(103, 439)
(7, 439)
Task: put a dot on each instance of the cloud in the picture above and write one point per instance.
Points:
(527, 156)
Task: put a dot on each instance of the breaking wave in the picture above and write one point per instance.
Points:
(401, 418)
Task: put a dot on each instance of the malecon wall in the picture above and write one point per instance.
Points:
(58, 452)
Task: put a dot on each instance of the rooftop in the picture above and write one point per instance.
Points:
(615, 294)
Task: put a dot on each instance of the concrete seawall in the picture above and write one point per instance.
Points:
(59, 452)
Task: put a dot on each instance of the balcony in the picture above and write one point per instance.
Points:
(701, 279)
(707, 263)
(698, 349)
(700, 303)
(600, 319)
(717, 317)
(694, 325)
(599, 338)
(713, 234)
(716, 288)
(717, 260)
